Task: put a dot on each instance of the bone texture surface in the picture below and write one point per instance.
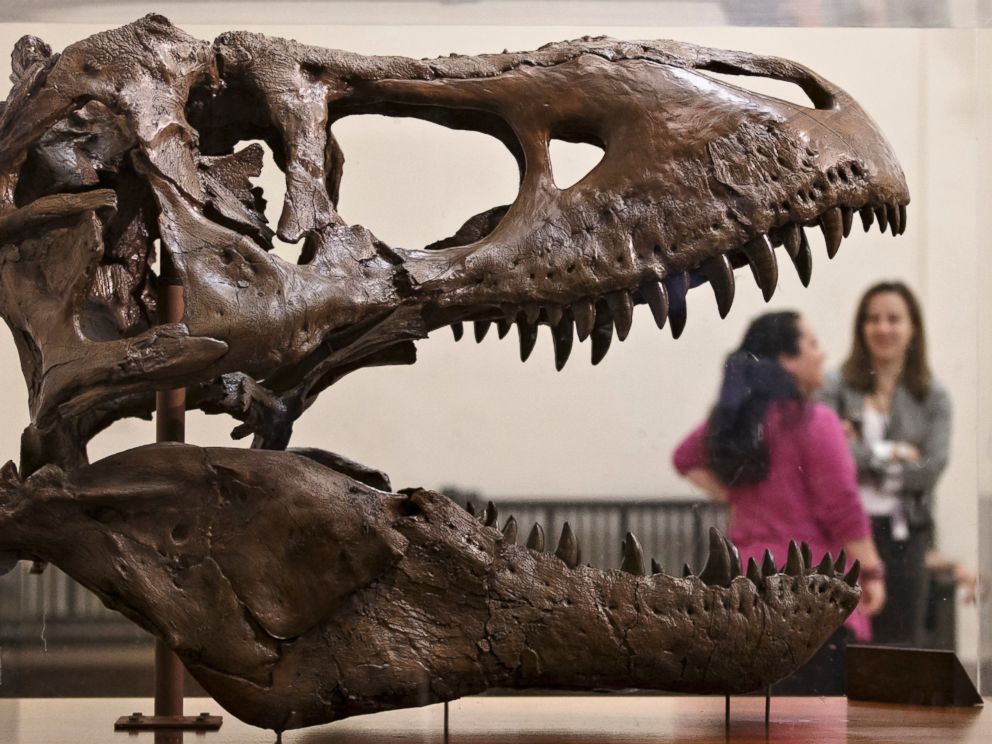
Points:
(294, 584)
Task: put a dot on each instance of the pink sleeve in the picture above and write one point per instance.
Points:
(689, 454)
(832, 478)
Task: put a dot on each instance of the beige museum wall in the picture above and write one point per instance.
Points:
(984, 440)
(475, 417)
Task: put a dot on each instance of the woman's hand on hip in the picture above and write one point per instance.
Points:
(872, 597)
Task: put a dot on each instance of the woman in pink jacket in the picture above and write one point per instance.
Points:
(781, 461)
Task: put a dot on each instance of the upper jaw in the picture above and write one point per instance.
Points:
(670, 198)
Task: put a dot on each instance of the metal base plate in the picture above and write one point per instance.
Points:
(140, 722)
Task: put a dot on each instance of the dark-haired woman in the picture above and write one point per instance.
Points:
(898, 420)
(781, 460)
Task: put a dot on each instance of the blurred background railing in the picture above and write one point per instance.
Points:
(673, 531)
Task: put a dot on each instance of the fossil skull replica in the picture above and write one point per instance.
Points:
(293, 584)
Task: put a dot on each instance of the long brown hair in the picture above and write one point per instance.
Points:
(753, 380)
(857, 371)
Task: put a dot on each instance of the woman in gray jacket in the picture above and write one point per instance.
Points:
(898, 421)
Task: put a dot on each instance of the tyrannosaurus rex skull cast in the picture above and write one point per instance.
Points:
(295, 586)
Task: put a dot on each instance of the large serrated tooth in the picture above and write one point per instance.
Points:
(458, 330)
(720, 273)
(584, 313)
(882, 217)
(803, 260)
(532, 312)
(481, 329)
(602, 332)
(677, 286)
(735, 560)
(562, 338)
(633, 556)
(470, 508)
(851, 577)
(867, 217)
(686, 571)
(764, 266)
(535, 541)
(848, 214)
(716, 572)
(503, 327)
(768, 567)
(656, 296)
(554, 314)
(528, 337)
(622, 308)
(511, 313)
(794, 563)
(832, 225)
(753, 572)
(568, 547)
(826, 566)
(841, 562)
(902, 218)
(892, 212)
(807, 555)
(655, 567)
(8, 474)
(791, 238)
(510, 531)
(491, 516)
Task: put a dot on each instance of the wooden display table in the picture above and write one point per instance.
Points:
(532, 720)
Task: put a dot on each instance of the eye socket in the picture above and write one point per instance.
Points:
(784, 90)
(272, 182)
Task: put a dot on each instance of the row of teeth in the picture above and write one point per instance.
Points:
(723, 563)
(596, 318)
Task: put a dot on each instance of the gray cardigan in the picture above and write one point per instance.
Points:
(925, 423)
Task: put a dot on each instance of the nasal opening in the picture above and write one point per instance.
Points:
(798, 89)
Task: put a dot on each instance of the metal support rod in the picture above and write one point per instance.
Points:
(445, 720)
(168, 721)
(170, 426)
(726, 710)
(768, 704)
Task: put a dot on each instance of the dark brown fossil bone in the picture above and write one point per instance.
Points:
(292, 588)
(296, 595)
(696, 175)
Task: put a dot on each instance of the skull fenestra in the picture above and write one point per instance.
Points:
(296, 587)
